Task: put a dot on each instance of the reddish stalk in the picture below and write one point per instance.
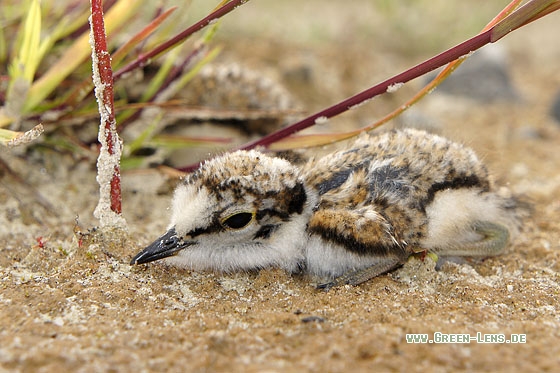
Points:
(109, 155)
(173, 74)
(425, 67)
(294, 142)
(531, 11)
(347, 104)
(179, 38)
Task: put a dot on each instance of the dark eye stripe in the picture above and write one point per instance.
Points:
(214, 228)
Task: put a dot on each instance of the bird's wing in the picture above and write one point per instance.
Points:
(362, 231)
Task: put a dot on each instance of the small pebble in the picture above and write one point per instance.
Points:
(309, 319)
(484, 77)
(555, 110)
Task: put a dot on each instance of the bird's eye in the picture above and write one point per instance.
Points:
(238, 221)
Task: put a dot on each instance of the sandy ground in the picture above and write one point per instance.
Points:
(69, 300)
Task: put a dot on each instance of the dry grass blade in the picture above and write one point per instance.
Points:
(529, 12)
(142, 35)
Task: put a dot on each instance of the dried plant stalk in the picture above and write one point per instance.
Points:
(109, 208)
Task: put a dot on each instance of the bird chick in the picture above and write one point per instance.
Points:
(343, 218)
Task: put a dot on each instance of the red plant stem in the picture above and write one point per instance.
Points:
(106, 76)
(173, 74)
(107, 4)
(423, 68)
(493, 34)
(141, 60)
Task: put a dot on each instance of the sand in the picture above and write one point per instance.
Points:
(69, 300)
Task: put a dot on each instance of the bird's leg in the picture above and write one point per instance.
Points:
(494, 239)
(385, 264)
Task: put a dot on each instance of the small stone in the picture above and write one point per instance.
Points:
(484, 77)
(555, 110)
(309, 319)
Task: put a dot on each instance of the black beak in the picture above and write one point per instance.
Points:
(167, 245)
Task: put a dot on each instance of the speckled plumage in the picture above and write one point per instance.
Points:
(345, 217)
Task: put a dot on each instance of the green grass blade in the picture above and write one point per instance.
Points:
(26, 62)
(22, 68)
(75, 55)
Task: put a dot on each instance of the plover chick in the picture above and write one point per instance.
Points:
(343, 218)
